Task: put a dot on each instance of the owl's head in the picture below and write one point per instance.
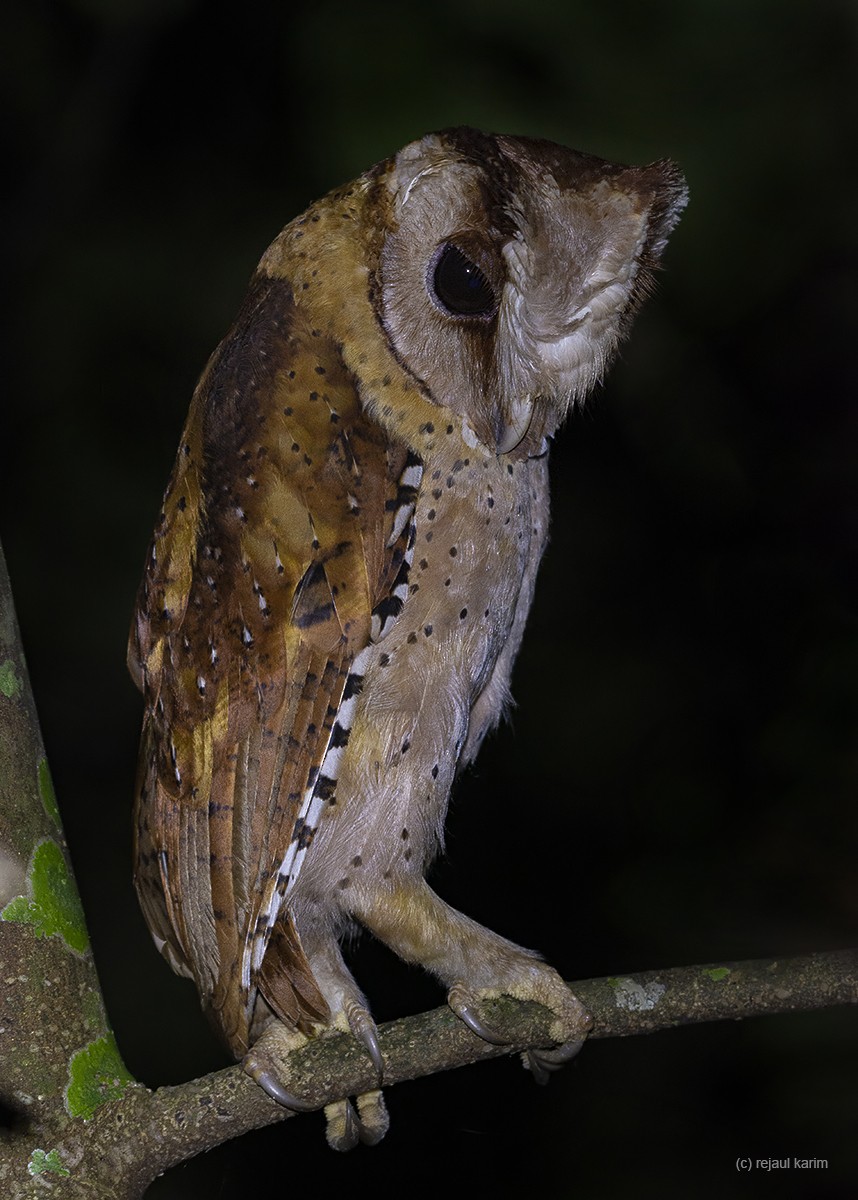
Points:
(510, 269)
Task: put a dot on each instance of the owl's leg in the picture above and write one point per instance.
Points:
(349, 1014)
(349, 1010)
(474, 963)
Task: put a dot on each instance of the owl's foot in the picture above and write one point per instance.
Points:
(370, 1123)
(543, 985)
(266, 1063)
(475, 964)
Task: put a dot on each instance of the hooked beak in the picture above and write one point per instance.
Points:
(513, 424)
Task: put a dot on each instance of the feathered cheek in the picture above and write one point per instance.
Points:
(573, 364)
(575, 357)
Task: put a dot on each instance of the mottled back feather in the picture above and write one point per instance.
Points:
(282, 531)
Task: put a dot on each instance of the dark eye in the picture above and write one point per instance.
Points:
(460, 286)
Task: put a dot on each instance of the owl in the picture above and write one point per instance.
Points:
(339, 581)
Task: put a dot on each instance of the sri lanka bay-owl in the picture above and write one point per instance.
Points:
(338, 584)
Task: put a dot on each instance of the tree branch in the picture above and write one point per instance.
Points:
(438, 1041)
(326, 1070)
(80, 1126)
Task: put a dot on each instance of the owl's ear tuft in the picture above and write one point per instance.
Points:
(669, 198)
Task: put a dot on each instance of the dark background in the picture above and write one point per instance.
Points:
(688, 688)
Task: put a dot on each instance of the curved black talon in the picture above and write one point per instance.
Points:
(543, 1063)
(364, 1029)
(461, 1002)
(369, 1038)
(275, 1090)
(476, 1026)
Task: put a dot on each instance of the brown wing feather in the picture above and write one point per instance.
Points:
(263, 574)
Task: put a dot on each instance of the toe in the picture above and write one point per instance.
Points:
(343, 1127)
(374, 1121)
